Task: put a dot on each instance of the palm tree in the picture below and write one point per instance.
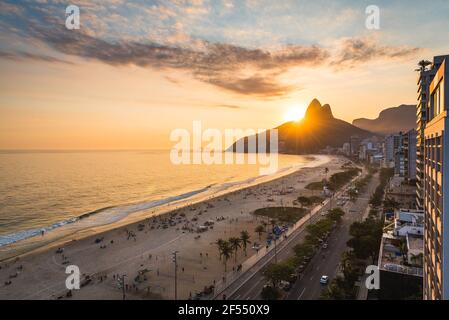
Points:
(244, 236)
(423, 64)
(236, 244)
(226, 252)
(219, 244)
(260, 229)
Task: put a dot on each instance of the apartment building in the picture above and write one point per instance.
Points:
(424, 79)
(436, 184)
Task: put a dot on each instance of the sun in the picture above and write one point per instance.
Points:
(294, 114)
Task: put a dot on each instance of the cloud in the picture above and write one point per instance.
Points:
(237, 69)
(29, 56)
(354, 51)
(229, 106)
(256, 86)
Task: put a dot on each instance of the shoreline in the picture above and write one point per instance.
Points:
(235, 205)
(139, 215)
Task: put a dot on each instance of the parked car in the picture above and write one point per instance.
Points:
(324, 279)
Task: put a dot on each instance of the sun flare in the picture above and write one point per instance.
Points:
(294, 113)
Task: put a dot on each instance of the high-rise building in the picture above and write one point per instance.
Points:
(391, 147)
(355, 144)
(436, 184)
(424, 79)
(409, 151)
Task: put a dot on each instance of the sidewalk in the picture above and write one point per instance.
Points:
(255, 263)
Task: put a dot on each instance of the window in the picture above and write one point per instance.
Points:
(436, 101)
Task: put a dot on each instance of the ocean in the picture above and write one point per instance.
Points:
(54, 190)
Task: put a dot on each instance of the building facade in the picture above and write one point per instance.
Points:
(409, 150)
(391, 147)
(436, 185)
(424, 79)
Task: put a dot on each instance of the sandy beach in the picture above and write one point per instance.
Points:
(142, 250)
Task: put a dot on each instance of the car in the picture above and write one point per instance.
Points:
(324, 279)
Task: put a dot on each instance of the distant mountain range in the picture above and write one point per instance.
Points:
(391, 120)
(317, 130)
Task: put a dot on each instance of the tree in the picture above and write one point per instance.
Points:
(366, 238)
(391, 204)
(269, 293)
(244, 236)
(334, 291)
(235, 244)
(336, 214)
(304, 201)
(219, 244)
(348, 262)
(353, 194)
(277, 272)
(423, 64)
(259, 230)
(226, 252)
(303, 250)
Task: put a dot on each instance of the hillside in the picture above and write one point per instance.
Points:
(317, 130)
(391, 120)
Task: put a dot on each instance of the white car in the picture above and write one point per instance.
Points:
(324, 279)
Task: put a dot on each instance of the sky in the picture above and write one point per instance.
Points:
(137, 70)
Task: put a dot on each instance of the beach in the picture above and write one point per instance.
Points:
(142, 248)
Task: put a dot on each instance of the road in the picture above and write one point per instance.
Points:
(308, 287)
(250, 288)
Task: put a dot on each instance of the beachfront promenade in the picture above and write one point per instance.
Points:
(233, 280)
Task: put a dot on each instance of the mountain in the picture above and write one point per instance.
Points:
(402, 118)
(317, 130)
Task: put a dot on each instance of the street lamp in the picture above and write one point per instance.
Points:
(175, 260)
(123, 286)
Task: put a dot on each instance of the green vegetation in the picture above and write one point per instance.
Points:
(318, 185)
(361, 184)
(336, 181)
(225, 251)
(339, 179)
(259, 230)
(231, 246)
(235, 244)
(366, 237)
(285, 270)
(385, 175)
(277, 272)
(343, 286)
(364, 243)
(270, 293)
(309, 201)
(390, 204)
(283, 214)
(244, 238)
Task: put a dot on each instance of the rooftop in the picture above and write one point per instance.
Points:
(392, 259)
(415, 242)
